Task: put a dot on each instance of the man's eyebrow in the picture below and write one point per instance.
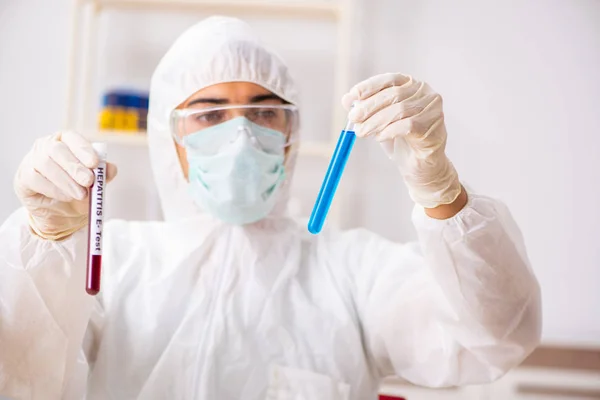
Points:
(216, 100)
(264, 97)
(208, 100)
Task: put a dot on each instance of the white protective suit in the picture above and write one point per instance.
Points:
(192, 308)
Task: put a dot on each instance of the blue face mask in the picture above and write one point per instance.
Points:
(239, 183)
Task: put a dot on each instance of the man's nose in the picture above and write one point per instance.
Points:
(237, 112)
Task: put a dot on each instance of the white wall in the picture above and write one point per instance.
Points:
(520, 82)
(33, 59)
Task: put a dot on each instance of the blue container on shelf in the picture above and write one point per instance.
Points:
(131, 103)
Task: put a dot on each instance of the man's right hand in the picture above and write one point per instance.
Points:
(52, 184)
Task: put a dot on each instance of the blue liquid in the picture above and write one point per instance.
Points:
(331, 181)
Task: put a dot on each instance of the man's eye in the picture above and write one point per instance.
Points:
(264, 115)
(210, 117)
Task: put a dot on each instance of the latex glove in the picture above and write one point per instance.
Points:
(52, 184)
(406, 116)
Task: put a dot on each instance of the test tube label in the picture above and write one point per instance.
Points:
(97, 209)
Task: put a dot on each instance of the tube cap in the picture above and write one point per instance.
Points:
(101, 149)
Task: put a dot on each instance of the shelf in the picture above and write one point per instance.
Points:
(571, 343)
(139, 139)
(125, 138)
(280, 8)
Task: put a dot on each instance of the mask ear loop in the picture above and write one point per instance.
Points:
(293, 126)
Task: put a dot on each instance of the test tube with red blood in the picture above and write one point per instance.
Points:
(95, 222)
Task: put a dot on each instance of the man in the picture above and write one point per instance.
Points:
(231, 299)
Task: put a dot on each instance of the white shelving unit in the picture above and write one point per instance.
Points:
(81, 116)
(522, 383)
(125, 138)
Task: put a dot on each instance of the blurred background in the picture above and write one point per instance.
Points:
(521, 85)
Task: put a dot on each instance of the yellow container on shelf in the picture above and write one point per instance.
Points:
(106, 119)
(120, 119)
(108, 116)
(125, 117)
(130, 119)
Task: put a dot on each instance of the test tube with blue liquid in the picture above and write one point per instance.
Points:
(332, 178)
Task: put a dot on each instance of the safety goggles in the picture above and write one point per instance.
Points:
(260, 122)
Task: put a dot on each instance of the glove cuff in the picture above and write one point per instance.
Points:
(56, 235)
(444, 188)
